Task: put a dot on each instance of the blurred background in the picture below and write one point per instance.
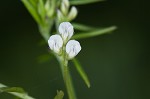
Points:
(117, 64)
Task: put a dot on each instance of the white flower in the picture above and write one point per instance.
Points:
(66, 30)
(72, 48)
(55, 43)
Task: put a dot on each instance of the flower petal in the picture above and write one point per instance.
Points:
(66, 30)
(55, 43)
(72, 48)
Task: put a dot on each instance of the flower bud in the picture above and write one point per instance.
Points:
(72, 48)
(55, 43)
(66, 2)
(47, 5)
(60, 15)
(66, 30)
(49, 8)
(73, 13)
(64, 9)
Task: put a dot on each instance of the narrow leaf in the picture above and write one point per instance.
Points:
(16, 91)
(95, 33)
(82, 2)
(60, 95)
(32, 10)
(82, 27)
(12, 89)
(81, 72)
(41, 9)
(33, 3)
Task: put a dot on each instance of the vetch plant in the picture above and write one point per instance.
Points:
(54, 19)
(65, 49)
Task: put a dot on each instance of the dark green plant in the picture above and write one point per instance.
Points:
(48, 15)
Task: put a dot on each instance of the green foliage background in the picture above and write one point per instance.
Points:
(117, 64)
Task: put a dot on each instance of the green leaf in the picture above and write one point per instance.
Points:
(16, 91)
(33, 3)
(32, 10)
(41, 9)
(81, 72)
(82, 2)
(82, 27)
(12, 89)
(60, 95)
(94, 33)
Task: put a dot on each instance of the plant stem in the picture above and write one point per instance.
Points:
(68, 82)
(67, 78)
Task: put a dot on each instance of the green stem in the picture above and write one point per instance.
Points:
(68, 82)
(67, 77)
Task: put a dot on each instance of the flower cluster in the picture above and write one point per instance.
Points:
(61, 42)
(65, 13)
